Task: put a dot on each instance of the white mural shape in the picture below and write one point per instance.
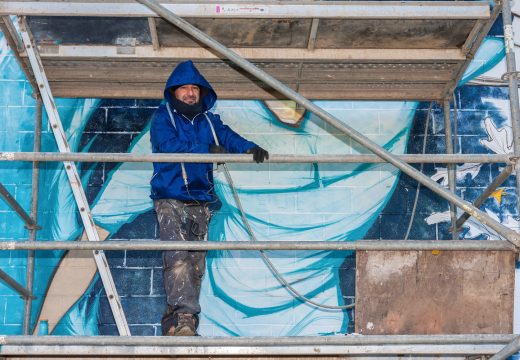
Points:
(441, 174)
(499, 141)
(472, 228)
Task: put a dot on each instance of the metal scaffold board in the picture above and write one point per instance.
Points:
(384, 50)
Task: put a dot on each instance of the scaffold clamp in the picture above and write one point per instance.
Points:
(505, 76)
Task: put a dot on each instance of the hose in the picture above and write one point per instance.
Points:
(268, 262)
(412, 217)
(271, 266)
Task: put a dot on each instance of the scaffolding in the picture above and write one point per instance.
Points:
(55, 67)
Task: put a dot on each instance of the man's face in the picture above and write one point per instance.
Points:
(188, 94)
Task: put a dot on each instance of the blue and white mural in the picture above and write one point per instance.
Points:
(240, 295)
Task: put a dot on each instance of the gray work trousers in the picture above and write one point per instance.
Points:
(183, 270)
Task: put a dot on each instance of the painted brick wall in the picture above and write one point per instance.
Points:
(139, 274)
(472, 110)
(14, 104)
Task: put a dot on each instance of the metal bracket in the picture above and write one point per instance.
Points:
(126, 45)
(33, 227)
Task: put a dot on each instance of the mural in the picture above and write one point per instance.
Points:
(240, 295)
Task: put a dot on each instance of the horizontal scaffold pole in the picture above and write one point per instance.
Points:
(254, 9)
(242, 346)
(246, 158)
(330, 119)
(396, 245)
(259, 341)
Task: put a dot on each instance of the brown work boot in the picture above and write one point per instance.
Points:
(186, 326)
(170, 332)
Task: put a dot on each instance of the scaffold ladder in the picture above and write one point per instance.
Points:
(73, 176)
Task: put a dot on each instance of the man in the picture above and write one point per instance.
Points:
(182, 192)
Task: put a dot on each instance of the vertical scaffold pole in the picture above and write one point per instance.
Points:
(513, 88)
(515, 124)
(34, 213)
(74, 179)
(450, 167)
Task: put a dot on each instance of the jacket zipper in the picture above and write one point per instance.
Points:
(183, 167)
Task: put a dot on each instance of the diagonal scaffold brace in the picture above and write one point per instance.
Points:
(73, 176)
(509, 234)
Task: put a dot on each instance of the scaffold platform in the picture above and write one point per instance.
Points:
(411, 50)
(356, 50)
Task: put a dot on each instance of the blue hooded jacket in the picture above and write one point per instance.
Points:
(188, 136)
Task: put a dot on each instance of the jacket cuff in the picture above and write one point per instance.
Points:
(252, 145)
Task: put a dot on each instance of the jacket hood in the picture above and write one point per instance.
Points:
(186, 73)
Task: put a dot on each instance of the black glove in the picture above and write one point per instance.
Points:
(217, 149)
(259, 154)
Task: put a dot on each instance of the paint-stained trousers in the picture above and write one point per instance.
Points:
(183, 270)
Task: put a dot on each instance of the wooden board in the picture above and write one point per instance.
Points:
(434, 292)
